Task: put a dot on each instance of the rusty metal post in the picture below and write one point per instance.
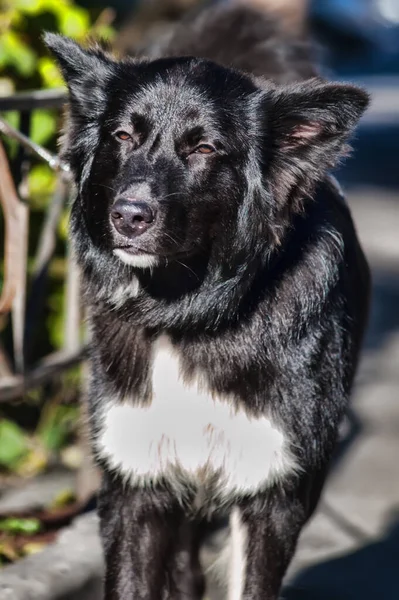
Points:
(16, 217)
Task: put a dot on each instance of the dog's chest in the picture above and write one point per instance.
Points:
(186, 433)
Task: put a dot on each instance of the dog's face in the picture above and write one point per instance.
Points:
(181, 157)
(166, 159)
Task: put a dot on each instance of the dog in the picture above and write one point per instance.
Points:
(226, 291)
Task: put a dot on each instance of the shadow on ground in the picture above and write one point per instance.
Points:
(369, 573)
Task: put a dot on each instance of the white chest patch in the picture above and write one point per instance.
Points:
(187, 435)
(125, 292)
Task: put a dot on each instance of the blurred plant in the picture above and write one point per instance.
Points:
(14, 446)
(22, 55)
(43, 427)
(29, 531)
(15, 525)
(27, 454)
(25, 64)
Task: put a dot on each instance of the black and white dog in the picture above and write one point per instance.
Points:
(226, 290)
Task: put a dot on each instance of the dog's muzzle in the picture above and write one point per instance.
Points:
(131, 217)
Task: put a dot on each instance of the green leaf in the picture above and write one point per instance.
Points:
(17, 525)
(49, 73)
(41, 184)
(63, 225)
(64, 498)
(57, 422)
(32, 7)
(13, 444)
(44, 125)
(74, 22)
(15, 53)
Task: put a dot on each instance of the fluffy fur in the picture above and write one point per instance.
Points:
(250, 268)
(187, 436)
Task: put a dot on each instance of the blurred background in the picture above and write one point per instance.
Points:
(350, 551)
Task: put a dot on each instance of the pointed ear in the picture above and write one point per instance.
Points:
(85, 72)
(308, 127)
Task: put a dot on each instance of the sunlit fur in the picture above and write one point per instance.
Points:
(141, 261)
(187, 435)
(250, 269)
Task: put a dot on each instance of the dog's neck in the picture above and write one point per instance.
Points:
(180, 294)
(198, 293)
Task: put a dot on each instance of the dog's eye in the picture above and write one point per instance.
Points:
(123, 135)
(204, 149)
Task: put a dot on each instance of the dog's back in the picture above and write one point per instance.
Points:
(242, 38)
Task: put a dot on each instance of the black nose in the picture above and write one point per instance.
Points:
(131, 217)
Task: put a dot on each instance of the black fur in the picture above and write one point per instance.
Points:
(261, 282)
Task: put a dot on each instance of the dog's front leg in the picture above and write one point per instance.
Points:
(138, 530)
(263, 534)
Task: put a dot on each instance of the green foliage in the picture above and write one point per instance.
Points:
(13, 444)
(15, 525)
(25, 64)
(41, 183)
(15, 53)
(64, 498)
(56, 424)
(26, 453)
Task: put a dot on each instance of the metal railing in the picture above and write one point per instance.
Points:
(21, 302)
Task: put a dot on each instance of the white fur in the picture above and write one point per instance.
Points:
(186, 434)
(226, 572)
(124, 292)
(141, 261)
(238, 557)
(217, 570)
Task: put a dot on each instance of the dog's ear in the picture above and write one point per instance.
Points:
(85, 72)
(308, 125)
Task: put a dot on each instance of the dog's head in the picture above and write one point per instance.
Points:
(180, 157)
